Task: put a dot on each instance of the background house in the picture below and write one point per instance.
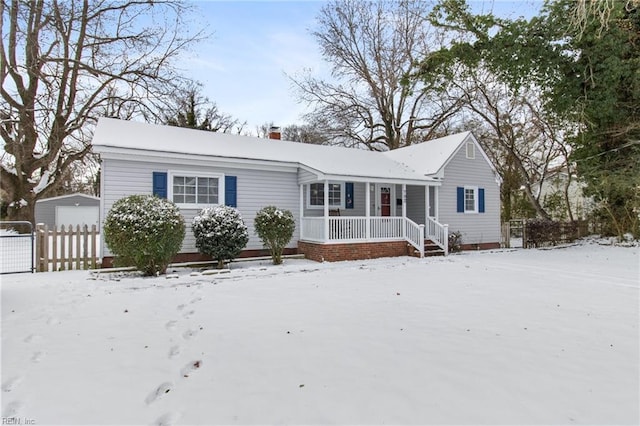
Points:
(72, 209)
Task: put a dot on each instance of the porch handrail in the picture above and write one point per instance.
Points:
(438, 233)
(414, 234)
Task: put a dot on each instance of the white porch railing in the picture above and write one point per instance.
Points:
(313, 228)
(354, 228)
(438, 233)
(414, 233)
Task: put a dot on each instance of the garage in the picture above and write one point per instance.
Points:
(72, 209)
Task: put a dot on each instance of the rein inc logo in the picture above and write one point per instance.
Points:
(18, 421)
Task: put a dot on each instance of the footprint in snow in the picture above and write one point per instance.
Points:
(37, 356)
(159, 392)
(32, 338)
(12, 409)
(189, 334)
(11, 384)
(180, 307)
(53, 321)
(192, 366)
(174, 351)
(189, 314)
(167, 419)
(196, 300)
(171, 325)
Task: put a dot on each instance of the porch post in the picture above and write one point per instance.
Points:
(404, 200)
(367, 200)
(436, 202)
(404, 210)
(301, 186)
(427, 204)
(326, 210)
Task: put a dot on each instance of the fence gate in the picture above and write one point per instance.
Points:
(513, 233)
(16, 247)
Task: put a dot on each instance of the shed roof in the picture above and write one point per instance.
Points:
(75, 194)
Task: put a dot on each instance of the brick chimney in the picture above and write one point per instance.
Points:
(274, 132)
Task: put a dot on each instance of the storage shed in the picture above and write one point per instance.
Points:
(71, 209)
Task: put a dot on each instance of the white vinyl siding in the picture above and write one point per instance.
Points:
(255, 188)
(470, 173)
(415, 203)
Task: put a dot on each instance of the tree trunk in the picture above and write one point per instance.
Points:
(17, 210)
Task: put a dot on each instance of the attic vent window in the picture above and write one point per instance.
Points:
(471, 151)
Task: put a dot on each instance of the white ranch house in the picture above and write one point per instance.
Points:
(348, 203)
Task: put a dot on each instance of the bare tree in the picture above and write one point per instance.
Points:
(371, 47)
(522, 140)
(65, 63)
(192, 109)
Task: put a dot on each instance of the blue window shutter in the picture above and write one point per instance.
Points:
(231, 191)
(460, 199)
(481, 200)
(348, 189)
(160, 184)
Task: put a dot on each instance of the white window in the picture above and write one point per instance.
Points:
(196, 190)
(470, 199)
(315, 195)
(471, 151)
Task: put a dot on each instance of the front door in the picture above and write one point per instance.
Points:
(385, 201)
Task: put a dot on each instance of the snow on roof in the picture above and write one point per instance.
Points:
(328, 160)
(429, 157)
(75, 194)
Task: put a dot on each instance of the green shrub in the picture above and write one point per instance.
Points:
(144, 231)
(220, 233)
(275, 228)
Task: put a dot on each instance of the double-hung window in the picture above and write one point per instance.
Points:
(196, 190)
(315, 195)
(470, 200)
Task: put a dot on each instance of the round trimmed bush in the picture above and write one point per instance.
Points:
(275, 228)
(220, 233)
(144, 231)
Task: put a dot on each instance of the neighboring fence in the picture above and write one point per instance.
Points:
(16, 247)
(66, 248)
(540, 233)
(513, 233)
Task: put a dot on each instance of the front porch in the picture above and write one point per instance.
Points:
(343, 232)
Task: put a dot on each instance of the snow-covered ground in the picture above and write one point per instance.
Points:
(503, 337)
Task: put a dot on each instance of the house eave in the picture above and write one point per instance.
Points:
(427, 181)
(166, 157)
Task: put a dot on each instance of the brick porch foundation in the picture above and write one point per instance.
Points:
(352, 251)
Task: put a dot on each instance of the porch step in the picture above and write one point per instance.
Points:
(432, 249)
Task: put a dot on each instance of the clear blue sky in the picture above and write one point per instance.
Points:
(254, 43)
